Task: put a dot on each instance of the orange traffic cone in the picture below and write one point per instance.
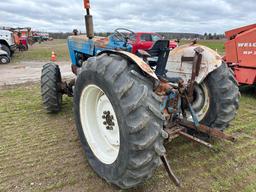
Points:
(53, 57)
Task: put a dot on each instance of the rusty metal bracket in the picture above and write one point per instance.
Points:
(213, 132)
(195, 69)
(192, 138)
(173, 132)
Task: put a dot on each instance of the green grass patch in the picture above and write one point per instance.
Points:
(42, 52)
(42, 152)
(216, 45)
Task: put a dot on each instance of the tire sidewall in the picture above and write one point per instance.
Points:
(58, 81)
(6, 49)
(115, 170)
(211, 114)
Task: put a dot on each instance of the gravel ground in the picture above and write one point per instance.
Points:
(28, 71)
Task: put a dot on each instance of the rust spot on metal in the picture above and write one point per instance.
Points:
(214, 132)
(101, 42)
(162, 88)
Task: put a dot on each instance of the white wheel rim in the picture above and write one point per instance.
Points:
(201, 103)
(99, 124)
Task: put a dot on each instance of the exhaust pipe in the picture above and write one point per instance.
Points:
(88, 20)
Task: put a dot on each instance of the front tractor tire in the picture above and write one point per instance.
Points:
(50, 87)
(119, 121)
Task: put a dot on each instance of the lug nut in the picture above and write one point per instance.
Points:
(109, 128)
(104, 123)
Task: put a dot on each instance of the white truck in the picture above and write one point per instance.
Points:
(7, 42)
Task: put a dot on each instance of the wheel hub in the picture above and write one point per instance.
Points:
(201, 101)
(3, 60)
(108, 120)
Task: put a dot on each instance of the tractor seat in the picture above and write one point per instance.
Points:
(159, 47)
(161, 50)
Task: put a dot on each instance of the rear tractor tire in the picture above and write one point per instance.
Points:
(119, 121)
(50, 87)
(217, 98)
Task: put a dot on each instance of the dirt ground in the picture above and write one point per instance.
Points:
(28, 71)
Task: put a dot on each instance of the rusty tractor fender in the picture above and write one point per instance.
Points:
(177, 67)
(135, 59)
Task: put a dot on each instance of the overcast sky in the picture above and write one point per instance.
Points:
(197, 16)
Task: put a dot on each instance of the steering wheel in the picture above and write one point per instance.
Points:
(123, 34)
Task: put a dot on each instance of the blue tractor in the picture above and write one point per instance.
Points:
(83, 47)
(126, 107)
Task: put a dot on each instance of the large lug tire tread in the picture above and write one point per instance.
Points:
(51, 96)
(141, 116)
(224, 98)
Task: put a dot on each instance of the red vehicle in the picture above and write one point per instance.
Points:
(145, 40)
(241, 53)
(22, 37)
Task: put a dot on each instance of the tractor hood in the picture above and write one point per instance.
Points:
(99, 43)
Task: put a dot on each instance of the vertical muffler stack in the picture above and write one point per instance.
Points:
(88, 20)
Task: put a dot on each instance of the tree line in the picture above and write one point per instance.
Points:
(210, 36)
(167, 35)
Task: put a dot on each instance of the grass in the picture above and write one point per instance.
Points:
(42, 52)
(42, 152)
(217, 45)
